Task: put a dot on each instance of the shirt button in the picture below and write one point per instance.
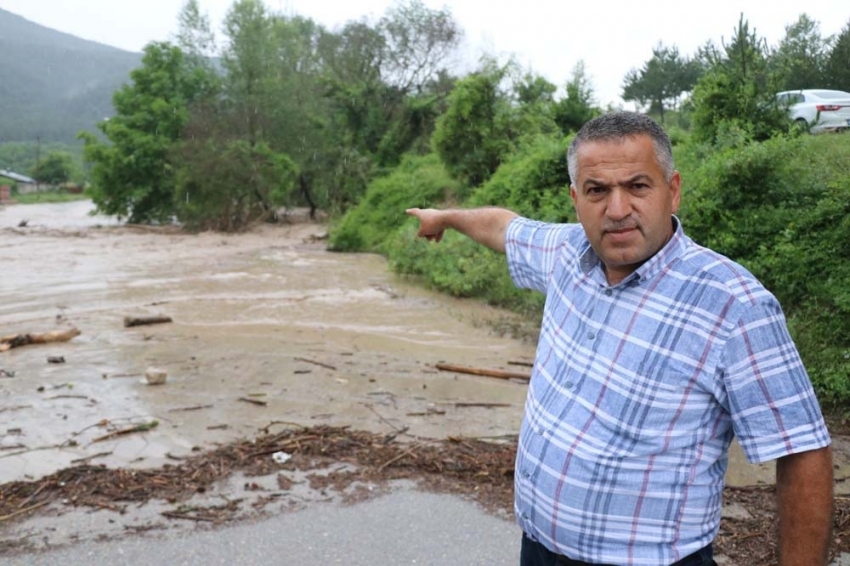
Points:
(591, 335)
(525, 516)
(540, 431)
(569, 384)
(608, 292)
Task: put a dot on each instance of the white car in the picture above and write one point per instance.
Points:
(822, 110)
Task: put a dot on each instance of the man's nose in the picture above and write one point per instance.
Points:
(619, 204)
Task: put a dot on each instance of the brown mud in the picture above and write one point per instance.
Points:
(276, 346)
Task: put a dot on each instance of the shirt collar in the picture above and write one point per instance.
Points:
(674, 248)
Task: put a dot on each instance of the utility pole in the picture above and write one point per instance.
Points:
(37, 163)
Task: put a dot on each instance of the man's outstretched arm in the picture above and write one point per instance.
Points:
(487, 226)
(804, 489)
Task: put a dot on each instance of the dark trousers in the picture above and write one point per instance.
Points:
(535, 554)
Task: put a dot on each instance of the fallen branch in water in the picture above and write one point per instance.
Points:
(498, 373)
(314, 362)
(121, 432)
(145, 320)
(18, 340)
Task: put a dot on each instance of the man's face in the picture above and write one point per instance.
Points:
(624, 202)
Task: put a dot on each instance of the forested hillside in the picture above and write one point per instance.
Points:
(53, 84)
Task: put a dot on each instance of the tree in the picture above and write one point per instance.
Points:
(475, 134)
(132, 175)
(837, 69)
(228, 185)
(736, 94)
(56, 168)
(800, 60)
(577, 107)
(662, 80)
(419, 41)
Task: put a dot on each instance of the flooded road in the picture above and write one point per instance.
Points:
(267, 326)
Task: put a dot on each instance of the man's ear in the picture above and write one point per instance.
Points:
(676, 190)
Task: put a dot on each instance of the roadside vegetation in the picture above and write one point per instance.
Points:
(44, 197)
(367, 120)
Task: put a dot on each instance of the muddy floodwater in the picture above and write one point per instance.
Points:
(267, 326)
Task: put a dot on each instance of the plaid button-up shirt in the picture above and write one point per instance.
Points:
(637, 391)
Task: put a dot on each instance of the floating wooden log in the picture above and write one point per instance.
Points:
(145, 320)
(497, 373)
(18, 340)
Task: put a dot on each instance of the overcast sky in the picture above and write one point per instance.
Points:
(547, 36)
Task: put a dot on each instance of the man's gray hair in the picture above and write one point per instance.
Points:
(617, 126)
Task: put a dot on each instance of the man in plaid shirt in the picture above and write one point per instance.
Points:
(654, 352)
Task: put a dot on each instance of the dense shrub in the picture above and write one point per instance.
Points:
(419, 181)
(535, 182)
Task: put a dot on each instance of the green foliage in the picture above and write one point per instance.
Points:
(43, 197)
(533, 182)
(132, 176)
(662, 79)
(475, 133)
(738, 90)
(782, 209)
(419, 181)
(21, 157)
(460, 267)
(837, 69)
(228, 186)
(799, 61)
(56, 168)
(577, 107)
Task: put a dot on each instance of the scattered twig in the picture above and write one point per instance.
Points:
(67, 397)
(500, 374)
(114, 375)
(254, 401)
(15, 408)
(520, 363)
(124, 431)
(173, 515)
(194, 408)
(18, 340)
(314, 362)
(6, 373)
(218, 427)
(432, 412)
(90, 458)
(55, 359)
(485, 405)
(22, 511)
(145, 320)
(399, 457)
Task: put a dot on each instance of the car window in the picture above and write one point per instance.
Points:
(796, 97)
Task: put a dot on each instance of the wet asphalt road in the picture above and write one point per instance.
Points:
(404, 527)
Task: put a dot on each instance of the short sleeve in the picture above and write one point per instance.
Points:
(533, 248)
(774, 408)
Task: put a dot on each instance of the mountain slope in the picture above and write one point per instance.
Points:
(52, 84)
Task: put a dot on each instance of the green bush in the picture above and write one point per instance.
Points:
(419, 181)
(782, 209)
(534, 182)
